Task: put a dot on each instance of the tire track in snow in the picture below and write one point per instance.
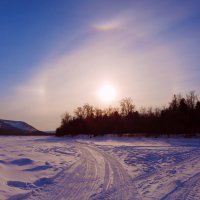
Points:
(188, 190)
(145, 181)
(96, 175)
(119, 184)
(192, 156)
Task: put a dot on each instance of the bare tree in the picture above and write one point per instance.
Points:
(84, 111)
(127, 106)
(88, 111)
(98, 112)
(79, 113)
(110, 110)
(191, 99)
(66, 118)
(175, 103)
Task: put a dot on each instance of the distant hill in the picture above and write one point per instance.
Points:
(10, 127)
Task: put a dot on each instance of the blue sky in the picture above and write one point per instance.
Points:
(54, 55)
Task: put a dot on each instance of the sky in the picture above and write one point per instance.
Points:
(56, 54)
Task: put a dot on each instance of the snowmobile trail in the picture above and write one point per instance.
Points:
(188, 190)
(96, 175)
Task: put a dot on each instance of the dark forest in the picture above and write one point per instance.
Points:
(181, 116)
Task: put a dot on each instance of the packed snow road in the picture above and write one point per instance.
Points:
(96, 175)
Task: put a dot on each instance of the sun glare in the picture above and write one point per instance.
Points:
(107, 93)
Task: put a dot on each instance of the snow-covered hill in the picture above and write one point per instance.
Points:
(16, 126)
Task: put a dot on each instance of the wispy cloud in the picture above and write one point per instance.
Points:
(129, 49)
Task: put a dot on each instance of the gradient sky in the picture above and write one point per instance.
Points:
(54, 55)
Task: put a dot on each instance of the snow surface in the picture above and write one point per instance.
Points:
(99, 168)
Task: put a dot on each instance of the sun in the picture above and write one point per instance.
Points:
(107, 93)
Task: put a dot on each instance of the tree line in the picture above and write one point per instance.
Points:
(181, 116)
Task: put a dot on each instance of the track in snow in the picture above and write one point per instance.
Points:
(96, 175)
(188, 190)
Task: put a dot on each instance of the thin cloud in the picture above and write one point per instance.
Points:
(128, 50)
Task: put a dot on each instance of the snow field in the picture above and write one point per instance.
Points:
(99, 168)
